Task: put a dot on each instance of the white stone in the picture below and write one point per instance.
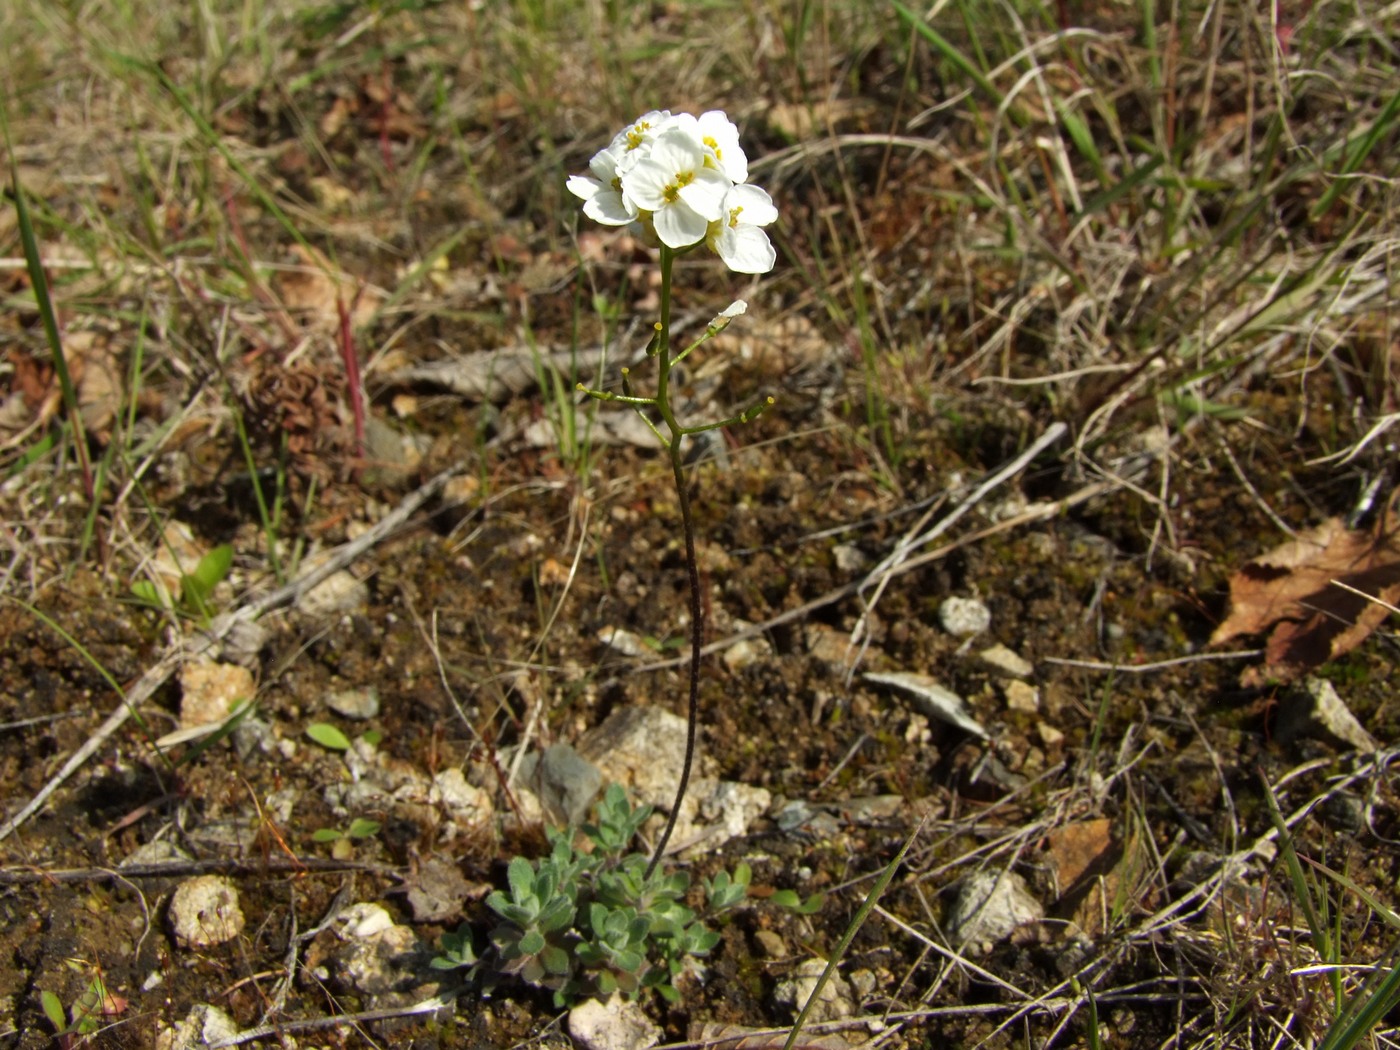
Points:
(1049, 735)
(934, 700)
(362, 920)
(641, 748)
(1006, 662)
(615, 1024)
(623, 641)
(203, 1026)
(204, 911)
(849, 557)
(379, 963)
(990, 905)
(964, 616)
(746, 651)
(358, 704)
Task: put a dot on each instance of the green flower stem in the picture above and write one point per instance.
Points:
(697, 613)
(660, 348)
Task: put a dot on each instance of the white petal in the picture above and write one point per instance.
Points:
(677, 151)
(646, 184)
(604, 165)
(583, 187)
(758, 209)
(721, 140)
(679, 226)
(609, 208)
(745, 250)
(706, 194)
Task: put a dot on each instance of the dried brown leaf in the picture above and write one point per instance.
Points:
(1291, 590)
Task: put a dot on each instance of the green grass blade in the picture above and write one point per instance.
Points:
(964, 65)
(40, 283)
(858, 920)
(1356, 151)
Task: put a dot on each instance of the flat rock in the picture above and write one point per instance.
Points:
(623, 641)
(1006, 662)
(641, 748)
(339, 593)
(380, 963)
(1316, 710)
(467, 806)
(614, 1024)
(565, 782)
(357, 704)
(932, 699)
(989, 906)
(204, 911)
(210, 690)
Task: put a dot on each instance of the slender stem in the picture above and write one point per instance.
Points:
(697, 642)
(697, 614)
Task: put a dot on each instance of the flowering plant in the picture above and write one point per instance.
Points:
(681, 181)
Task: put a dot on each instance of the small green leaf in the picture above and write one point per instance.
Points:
(521, 876)
(53, 1010)
(325, 835)
(532, 943)
(328, 736)
(212, 569)
(790, 900)
(362, 829)
(555, 959)
(147, 593)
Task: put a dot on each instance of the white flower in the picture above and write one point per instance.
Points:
(721, 141)
(737, 237)
(673, 183)
(603, 199)
(633, 142)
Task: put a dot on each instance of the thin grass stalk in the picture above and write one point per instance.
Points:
(857, 921)
(39, 281)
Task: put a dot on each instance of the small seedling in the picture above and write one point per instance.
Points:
(344, 840)
(195, 600)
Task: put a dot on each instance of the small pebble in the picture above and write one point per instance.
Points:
(209, 691)
(612, 1025)
(1049, 735)
(1022, 697)
(772, 944)
(963, 617)
(204, 911)
(1004, 661)
(849, 557)
(357, 704)
(990, 905)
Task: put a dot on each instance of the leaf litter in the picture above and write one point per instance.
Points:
(1318, 596)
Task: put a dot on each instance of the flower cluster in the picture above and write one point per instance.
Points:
(683, 180)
